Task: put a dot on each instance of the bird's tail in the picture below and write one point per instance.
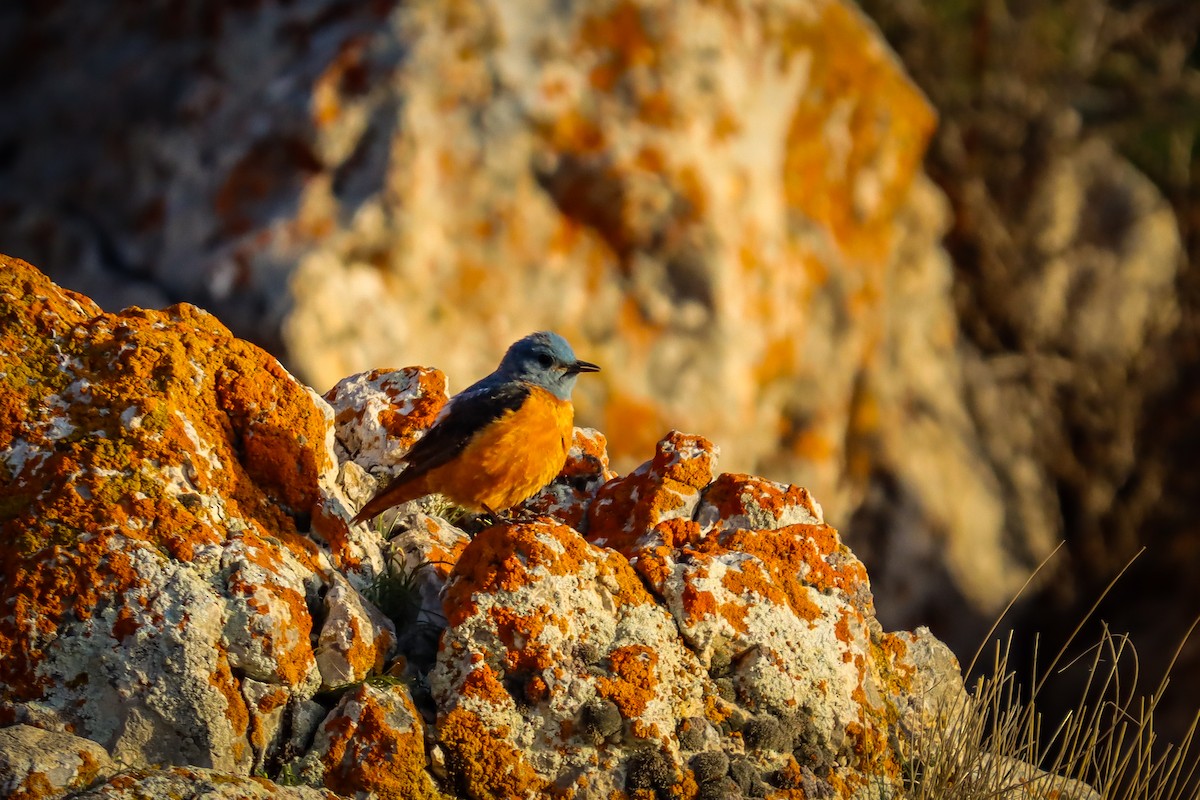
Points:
(397, 492)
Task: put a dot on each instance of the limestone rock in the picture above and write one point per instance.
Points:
(184, 486)
(355, 639)
(373, 741)
(709, 636)
(196, 782)
(543, 625)
(380, 415)
(421, 553)
(568, 497)
(656, 500)
(43, 764)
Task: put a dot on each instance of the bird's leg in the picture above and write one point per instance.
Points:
(493, 517)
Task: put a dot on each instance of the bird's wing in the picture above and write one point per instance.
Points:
(470, 412)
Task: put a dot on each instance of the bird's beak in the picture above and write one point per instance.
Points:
(582, 366)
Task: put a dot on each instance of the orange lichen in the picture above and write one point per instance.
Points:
(536, 690)
(110, 404)
(889, 124)
(734, 494)
(260, 729)
(484, 683)
(750, 580)
(520, 633)
(418, 395)
(893, 650)
(654, 565)
(841, 629)
(697, 604)
(235, 705)
(678, 532)
(363, 653)
(369, 753)
(634, 679)
(125, 623)
(627, 508)
(507, 557)
(482, 761)
(293, 656)
(797, 554)
(716, 709)
(588, 457)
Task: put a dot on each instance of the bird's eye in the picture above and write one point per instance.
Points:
(546, 360)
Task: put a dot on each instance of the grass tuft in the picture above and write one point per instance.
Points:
(996, 743)
(396, 591)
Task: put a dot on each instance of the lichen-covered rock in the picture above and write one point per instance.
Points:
(373, 741)
(558, 671)
(42, 765)
(194, 782)
(709, 637)
(780, 615)
(569, 496)
(183, 486)
(379, 415)
(421, 553)
(747, 501)
(657, 501)
(355, 639)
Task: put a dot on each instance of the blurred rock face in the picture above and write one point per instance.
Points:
(723, 205)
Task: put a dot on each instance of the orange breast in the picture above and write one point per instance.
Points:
(512, 458)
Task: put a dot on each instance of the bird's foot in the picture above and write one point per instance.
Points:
(523, 514)
(510, 515)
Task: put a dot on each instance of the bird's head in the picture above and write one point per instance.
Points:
(545, 359)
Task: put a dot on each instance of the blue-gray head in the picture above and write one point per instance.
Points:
(544, 359)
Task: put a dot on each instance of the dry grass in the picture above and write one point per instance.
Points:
(1105, 747)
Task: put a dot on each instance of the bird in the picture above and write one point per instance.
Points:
(498, 442)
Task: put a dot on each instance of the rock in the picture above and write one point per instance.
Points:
(184, 485)
(709, 636)
(379, 415)
(355, 639)
(421, 553)
(569, 496)
(43, 764)
(655, 502)
(933, 703)
(746, 501)
(543, 627)
(210, 784)
(373, 741)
